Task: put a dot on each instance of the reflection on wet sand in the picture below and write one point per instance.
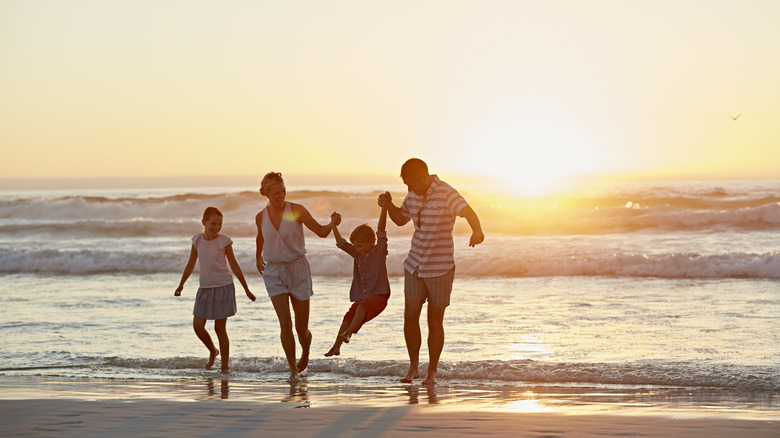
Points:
(224, 388)
(299, 393)
(414, 394)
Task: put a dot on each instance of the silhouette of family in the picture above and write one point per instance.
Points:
(431, 205)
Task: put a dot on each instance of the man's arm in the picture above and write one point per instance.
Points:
(386, 201)
(476, 228)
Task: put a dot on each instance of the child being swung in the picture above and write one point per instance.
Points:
(370, 288)
(216, 297)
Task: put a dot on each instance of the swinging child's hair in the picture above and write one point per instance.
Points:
(363, 233)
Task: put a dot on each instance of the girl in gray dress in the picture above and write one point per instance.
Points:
(216, 297)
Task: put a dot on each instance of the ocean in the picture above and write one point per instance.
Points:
(659, 294)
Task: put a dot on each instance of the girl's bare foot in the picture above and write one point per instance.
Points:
(344, 337)
(212, 357)
(410, 375)
(334, 351)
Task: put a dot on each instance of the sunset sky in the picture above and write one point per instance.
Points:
(528, 90)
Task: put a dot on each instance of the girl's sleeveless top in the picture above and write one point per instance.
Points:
(285, 244)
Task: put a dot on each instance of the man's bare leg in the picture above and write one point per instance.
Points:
(412, 335)
(435, 342)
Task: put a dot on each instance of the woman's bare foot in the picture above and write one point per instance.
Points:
(212, 357)
(410, 375)
(294, 377)
(335, 350)
(430, 379)
(305, 346)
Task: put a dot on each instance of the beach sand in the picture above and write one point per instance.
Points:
(59, 417)
(127, 408)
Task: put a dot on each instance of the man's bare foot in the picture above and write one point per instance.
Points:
(212, 357)
(294, 377)
(344, 337)
(334, 351)
(410, 375)
(430, 379)
(224, 371)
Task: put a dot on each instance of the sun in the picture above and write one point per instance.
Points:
(530, 154)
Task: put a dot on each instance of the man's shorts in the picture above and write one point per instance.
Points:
(373, 304)
(292, 278)
(436, 290)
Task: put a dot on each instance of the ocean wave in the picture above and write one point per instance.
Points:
(519, 216)
(333, 263)
(645, 373)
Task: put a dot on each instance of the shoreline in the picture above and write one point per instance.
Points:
(327, 391)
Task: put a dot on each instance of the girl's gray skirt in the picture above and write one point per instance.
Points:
(215, 302)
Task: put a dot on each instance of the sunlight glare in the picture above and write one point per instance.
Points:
(530, 154)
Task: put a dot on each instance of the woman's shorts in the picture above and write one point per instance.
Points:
(215, 302)
(292, 278)
(374, 305)
(436, 290)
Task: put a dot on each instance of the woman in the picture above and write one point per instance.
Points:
(281, 260)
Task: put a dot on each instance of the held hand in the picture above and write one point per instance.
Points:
(250, 295)
(385, 199)
(476, 238)
(335, 219)
(178, 291)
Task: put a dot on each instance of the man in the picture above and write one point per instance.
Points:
(429, 269)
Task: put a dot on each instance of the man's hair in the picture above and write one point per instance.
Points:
(363, 233)
(414, 167)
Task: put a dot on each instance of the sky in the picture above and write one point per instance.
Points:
(528, 91)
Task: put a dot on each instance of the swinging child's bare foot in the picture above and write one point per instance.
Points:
(345, 337)
(212, 357)
(410, 375)
(335, 350)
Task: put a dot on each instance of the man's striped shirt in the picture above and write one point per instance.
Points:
(432, 253)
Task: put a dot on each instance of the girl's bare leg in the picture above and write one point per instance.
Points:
(220, 326)
(282, 307)
(199, 325)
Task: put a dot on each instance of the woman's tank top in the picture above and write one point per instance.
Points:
(285, 244)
